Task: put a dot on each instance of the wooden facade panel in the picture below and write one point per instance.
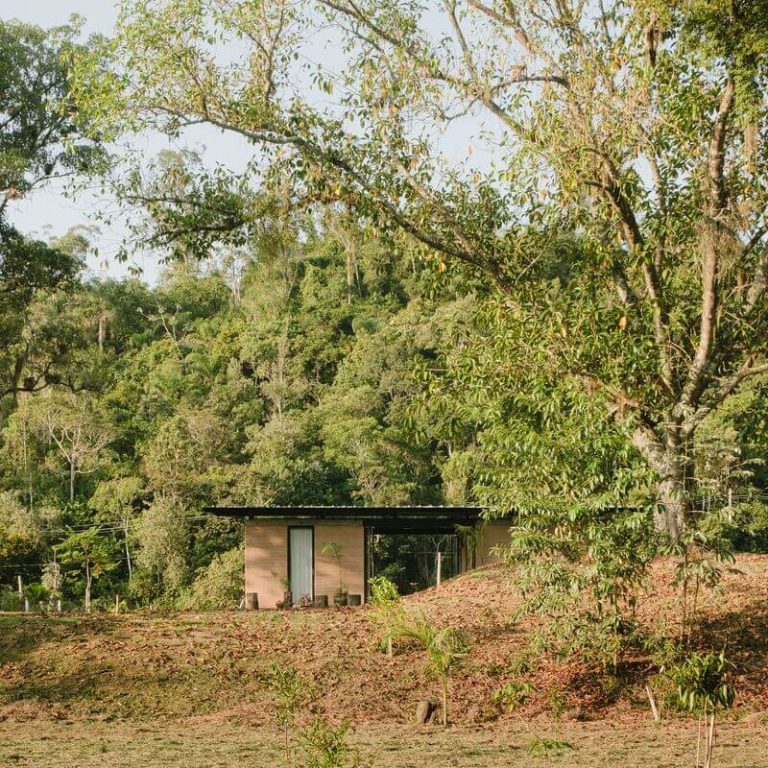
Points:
(351, 536)
(266, 560)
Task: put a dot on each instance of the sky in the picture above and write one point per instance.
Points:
(49, 212)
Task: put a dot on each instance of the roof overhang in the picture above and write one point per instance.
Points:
(401, 519)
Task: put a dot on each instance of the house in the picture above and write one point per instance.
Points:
(316, 549)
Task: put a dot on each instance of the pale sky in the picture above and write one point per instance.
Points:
(49, 213)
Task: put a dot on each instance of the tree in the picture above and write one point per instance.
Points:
(388, 608)
(78, 432)
(636, 124)
(116, 501)
(291, 692)
(446, 647)
(91, 552)
(703, 687)
(163, 538)
(40, 139)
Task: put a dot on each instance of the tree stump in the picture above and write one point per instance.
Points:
(425, 709)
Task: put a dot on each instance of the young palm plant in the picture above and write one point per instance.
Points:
(446, 648)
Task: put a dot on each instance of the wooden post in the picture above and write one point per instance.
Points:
(117, 604)
(439, 576)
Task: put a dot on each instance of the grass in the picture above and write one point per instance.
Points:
(206, 745)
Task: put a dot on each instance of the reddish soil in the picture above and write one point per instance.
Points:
(216, 667)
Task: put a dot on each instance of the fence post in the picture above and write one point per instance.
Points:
(439, 576)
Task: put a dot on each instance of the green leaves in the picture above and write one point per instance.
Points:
(702, 683)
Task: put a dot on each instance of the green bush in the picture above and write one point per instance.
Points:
(512, 694)
(326, 746)
(748, 527)
(218, 586)
(9, 599)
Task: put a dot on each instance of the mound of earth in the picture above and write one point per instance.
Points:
(217, 666)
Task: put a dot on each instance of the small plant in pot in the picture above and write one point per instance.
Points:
(336, 550)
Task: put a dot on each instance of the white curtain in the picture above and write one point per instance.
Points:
(301, 563)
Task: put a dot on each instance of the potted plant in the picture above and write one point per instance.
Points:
(336, 550)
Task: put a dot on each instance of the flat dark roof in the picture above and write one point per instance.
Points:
(424, 515)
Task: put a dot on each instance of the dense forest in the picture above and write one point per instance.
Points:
(572, 337)
(319, 365)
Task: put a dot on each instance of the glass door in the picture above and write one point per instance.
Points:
(301, 562)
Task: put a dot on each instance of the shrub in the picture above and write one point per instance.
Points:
(326, 746)
(512, 694)
(703, 687)
(388, 609)
(220, 585)
(9, 599)
(291, 691)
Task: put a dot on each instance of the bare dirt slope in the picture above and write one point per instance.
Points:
(214, 668)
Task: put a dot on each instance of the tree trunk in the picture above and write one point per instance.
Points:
(71, 480)
(87, 588)
(127, 551)
(670, 515)
(670, 462)
(445, 701)
(102, 330)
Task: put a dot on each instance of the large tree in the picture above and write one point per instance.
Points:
(635, 127)
(40, 139)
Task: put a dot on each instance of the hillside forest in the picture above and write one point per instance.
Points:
(355, 320)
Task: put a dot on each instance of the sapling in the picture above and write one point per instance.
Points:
(703, 688)
(291, 691)
(446, 648)
(326, 746)
(388, 608)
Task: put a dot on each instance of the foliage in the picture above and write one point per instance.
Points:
(163, 537)
(703, 687)
(584, 576)
(388, 609)
(291, 692)
(542, 746)
(618, 216)
(221, 584)
(42, 139)
(702, 683)
(446, 648)
(90, 553)
(512, 694)
(326, 746)
(701, 552)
